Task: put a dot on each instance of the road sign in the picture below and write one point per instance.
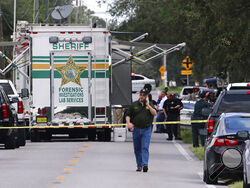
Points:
(186, 72)
(162, 69)
(187, 63)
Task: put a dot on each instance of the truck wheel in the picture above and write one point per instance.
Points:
(92, 135)
(101, 135)
(34, 136)
(47, 136)
(207, 180)
(27, 130)
(10, 141)
(107, 133)
(22, 137)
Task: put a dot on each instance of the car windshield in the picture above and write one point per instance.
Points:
(234, 124)
(235, 103)
(7, 88)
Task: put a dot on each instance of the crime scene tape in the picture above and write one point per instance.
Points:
(99, 125)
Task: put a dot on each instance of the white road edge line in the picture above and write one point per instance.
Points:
(183, 151)
(208, 186)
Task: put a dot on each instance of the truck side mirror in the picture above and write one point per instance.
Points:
(206, 111)
(24, 93)
(14, 100)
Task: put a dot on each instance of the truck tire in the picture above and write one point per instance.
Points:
(10, 141)
(107, 134)
(92, 135)
(21, 137)
(47, 136)
(101, 135)
(34, 136)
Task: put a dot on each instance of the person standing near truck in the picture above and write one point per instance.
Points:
(140, 117)
(198, 128)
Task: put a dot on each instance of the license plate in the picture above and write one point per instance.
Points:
(42, 119)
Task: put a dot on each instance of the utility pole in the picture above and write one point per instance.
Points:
(1, 24)
(35, 11)
(69, 18)
(46, 8)
(77, 12)
(165, 78)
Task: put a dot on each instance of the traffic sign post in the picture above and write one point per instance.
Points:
(186, 72)
(187, 63)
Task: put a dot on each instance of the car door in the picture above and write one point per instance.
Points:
(138, 83)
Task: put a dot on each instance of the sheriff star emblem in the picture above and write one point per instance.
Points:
(71, 72)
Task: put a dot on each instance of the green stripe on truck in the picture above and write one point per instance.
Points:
(46, 74)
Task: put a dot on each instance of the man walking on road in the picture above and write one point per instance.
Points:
(140, 117)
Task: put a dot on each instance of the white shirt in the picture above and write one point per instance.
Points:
(162, 102)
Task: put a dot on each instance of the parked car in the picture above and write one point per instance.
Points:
(227, 101)
(223, 149)
(187, 111)
(189, 93)
(138, 82)
(8, 118)
(235, 86)
(246, 164)
(10, 90)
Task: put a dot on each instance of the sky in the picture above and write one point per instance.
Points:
(99, 11)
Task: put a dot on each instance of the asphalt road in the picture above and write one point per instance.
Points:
(67, 163)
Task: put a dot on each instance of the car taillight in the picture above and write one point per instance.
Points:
(39, 111)
(248, 92)
(210, 126)
(224, 142)
(5, 111)
(103, 109)
(20, 107)
(44, 111)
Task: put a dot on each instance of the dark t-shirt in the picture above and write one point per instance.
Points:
(140, 114)
(172, 103)
(199, 105)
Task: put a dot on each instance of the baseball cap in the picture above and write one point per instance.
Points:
(144, 91)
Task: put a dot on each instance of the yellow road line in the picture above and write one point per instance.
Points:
(73, 160)
(68, 169)
(81, 149)
(60, 177)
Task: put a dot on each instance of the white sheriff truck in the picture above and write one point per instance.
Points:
(68, 79)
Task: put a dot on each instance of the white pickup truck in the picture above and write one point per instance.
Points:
(10, 90)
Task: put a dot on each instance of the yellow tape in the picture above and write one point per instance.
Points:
(102, 125)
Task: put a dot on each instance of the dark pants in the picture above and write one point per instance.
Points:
(160, 118)
(172, 128)
(197, 128)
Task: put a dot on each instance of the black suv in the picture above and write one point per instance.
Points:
(227, 101)
(8, 118)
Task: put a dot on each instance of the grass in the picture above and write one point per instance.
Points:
(186, 135)
(199, 152)
(236, 185)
